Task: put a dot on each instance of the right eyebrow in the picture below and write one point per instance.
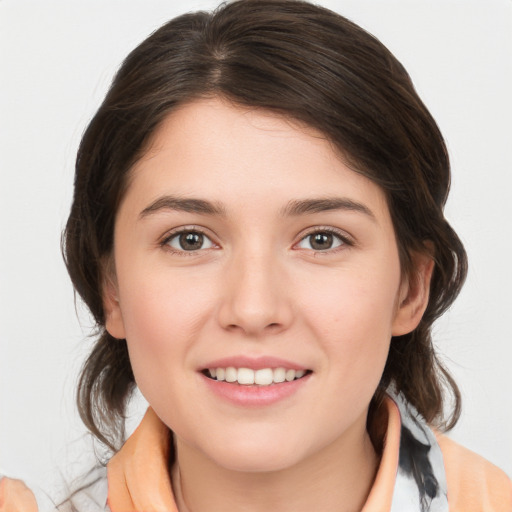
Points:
(191, 205)
(310, 206)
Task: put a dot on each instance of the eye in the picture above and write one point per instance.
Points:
(190, 240)
(322, 241)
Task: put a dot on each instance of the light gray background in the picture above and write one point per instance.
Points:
(56, 61)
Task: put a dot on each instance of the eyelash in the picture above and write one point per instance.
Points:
(344, 240)
(165, 243)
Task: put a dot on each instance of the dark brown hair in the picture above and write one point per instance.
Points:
(308, 64)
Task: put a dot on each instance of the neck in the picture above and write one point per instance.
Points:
(336, 479)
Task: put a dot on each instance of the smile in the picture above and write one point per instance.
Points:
(249, 377)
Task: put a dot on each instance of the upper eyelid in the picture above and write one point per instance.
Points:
(186, 229)
(347, 238)
(342, 234)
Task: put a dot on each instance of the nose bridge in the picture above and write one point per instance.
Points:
(256, 298)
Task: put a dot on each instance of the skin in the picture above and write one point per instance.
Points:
(257, 286)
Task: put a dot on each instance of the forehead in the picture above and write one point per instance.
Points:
(218, 128)
(238, 155)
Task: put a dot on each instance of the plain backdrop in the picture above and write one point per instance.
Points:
(56, 61)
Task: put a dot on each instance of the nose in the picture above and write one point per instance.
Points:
(256, 299)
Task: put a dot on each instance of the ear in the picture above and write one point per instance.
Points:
(413, 295)
(113, 316)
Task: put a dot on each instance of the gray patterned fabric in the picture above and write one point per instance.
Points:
(421, 479)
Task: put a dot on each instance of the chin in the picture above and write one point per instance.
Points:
(257, 462)
(257, 455)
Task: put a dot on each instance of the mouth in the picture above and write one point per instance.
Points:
(249, 377)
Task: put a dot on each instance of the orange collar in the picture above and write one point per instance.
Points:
(138, 476)
(139, 480)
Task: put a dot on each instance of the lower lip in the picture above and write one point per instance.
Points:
(255, 396)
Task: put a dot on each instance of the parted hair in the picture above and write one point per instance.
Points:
(308, 64)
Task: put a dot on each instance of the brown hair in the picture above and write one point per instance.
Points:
(309, 64)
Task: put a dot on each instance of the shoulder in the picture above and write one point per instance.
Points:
(474, 484)
(87, 493)
(16, 496)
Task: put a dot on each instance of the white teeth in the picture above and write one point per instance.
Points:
(231, 374)
(262, 377)
(279, 375)
(290, 375)
(245, 376)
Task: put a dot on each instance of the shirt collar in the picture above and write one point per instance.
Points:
(410, 477)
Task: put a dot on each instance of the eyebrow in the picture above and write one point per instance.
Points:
(292, 209)
(305, 206)
(190, 205)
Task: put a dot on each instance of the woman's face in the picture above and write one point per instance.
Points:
(244, 245)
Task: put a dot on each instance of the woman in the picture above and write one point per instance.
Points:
(258, 230)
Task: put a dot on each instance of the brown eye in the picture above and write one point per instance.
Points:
(321, 241)
(189, 241)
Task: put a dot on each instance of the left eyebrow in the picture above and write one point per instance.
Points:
(191, 205)
(305, 206)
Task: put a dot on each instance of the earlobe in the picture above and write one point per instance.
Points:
(113, 316)
(414, 295)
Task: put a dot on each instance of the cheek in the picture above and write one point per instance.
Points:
(362, 299)
(162, 301)
(352, 313)
(163, 314)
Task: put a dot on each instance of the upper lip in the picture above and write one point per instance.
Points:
(254, 363)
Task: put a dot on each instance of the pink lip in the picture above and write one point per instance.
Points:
(253, 396)
(254, 363)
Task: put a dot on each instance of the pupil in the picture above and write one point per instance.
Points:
(191, 241)
(321, 241)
